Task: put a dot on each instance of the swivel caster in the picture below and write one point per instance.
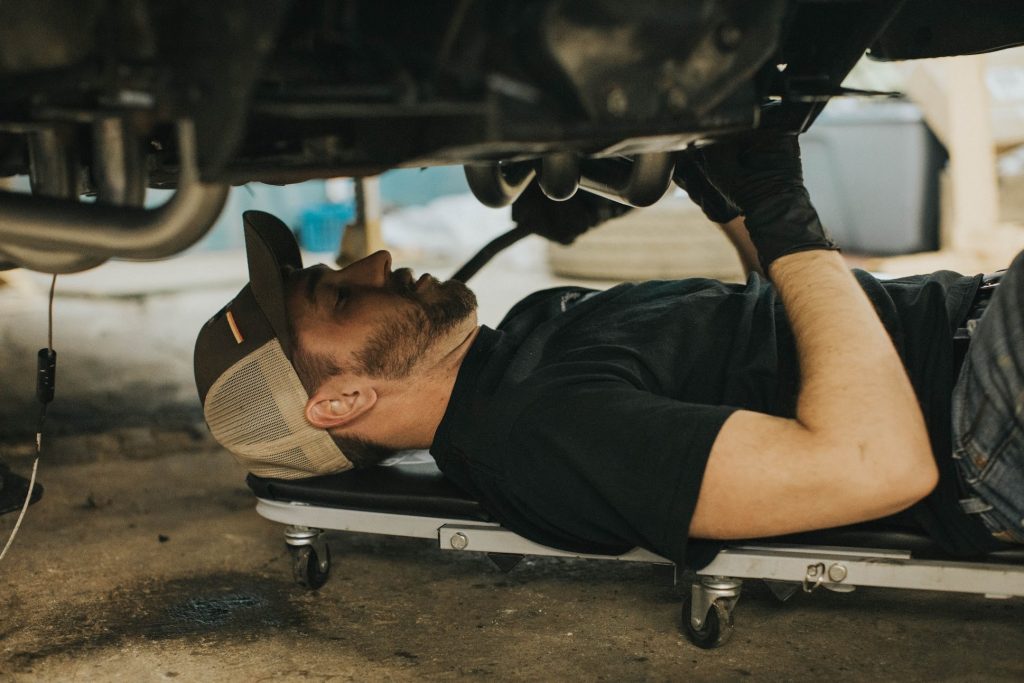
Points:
(310, 570)
(707, 613)
(311, 556)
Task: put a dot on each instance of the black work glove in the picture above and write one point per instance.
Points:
(563, 222)
(761, 173)
(689, 176)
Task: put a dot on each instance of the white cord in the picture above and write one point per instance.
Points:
(24, 508)
(39, 433)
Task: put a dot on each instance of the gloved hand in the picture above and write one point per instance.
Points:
(563, 222)
(689, 176)
(761, 173)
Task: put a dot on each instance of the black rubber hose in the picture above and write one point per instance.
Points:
(489, 251)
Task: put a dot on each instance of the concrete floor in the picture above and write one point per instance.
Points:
(145, 561)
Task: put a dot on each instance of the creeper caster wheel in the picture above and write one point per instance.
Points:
(716, 629)
(707, 612)
(310, 570)
(311, 556)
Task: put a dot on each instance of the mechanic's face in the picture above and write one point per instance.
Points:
(379, 322)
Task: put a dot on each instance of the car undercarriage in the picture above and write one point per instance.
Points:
(100, 99)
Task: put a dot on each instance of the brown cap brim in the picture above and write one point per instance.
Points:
(258, 313)
(272, 252)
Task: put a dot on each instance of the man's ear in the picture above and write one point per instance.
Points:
(327, 408)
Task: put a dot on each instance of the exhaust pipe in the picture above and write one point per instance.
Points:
(60, 236)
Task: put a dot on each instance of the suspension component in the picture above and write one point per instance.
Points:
(500, 183)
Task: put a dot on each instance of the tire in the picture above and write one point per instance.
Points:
(669, 240)
(308, 569)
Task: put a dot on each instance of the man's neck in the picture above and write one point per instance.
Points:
(409, 417)
(445, 386)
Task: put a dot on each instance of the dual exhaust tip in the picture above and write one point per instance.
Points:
(640, 180)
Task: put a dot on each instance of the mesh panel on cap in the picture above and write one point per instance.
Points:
(256, 410)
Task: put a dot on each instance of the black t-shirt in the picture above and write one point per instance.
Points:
(585, 420)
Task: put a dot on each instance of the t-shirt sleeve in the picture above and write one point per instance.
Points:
(606, 462)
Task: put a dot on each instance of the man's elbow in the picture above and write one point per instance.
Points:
(894, 476)
(927, 477)
(913, 479)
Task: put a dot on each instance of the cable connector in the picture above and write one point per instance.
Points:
(46, 374)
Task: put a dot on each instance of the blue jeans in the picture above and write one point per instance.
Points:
(988, 411)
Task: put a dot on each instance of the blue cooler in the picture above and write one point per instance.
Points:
(321, 226)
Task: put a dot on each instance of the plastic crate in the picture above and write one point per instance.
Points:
(321, 226)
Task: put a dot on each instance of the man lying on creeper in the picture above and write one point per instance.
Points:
(669, 415)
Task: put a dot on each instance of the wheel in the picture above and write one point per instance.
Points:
(717, 627)
(310, 571)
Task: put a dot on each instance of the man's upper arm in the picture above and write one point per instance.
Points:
(768, 476)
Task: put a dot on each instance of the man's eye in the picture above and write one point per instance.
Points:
(342, 295)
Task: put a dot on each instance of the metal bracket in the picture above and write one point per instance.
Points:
(496, 539)
(829, 578)
(782, 590)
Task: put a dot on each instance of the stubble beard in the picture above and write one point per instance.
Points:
(394, 351)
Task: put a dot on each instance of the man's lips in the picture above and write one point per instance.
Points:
(402, 279)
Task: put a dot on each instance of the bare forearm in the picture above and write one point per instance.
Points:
(854, 389)
(736, 231)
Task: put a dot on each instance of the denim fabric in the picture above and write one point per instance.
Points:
(988, 411)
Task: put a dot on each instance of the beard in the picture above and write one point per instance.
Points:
(394, 350)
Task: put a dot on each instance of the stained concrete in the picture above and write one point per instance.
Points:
(145, 561)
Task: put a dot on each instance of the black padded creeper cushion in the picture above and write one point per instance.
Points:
(415, 489)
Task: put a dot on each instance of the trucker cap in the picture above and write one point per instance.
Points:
(253, 401)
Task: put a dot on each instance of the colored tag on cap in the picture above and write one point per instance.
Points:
(239, 338)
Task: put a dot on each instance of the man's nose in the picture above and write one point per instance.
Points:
(372, 270)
